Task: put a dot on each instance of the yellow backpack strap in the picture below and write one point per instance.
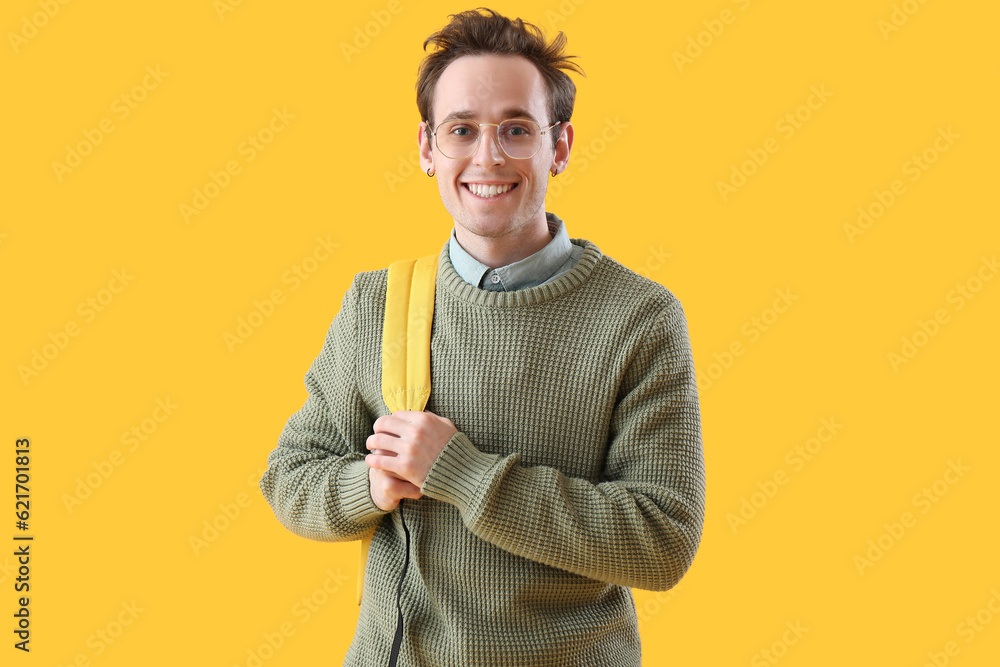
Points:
(406, 347)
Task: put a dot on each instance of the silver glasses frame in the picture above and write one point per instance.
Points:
(541, 132)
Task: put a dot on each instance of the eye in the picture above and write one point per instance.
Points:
(518, 130)
(462, 131)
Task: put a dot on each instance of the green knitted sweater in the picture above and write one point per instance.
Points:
(576, 474)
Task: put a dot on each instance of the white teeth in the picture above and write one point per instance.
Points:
(489, 190)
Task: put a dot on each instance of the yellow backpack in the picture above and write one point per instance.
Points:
(406, 347)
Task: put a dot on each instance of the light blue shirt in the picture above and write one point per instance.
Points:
(557, 257)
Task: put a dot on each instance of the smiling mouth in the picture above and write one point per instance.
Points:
(489, 191)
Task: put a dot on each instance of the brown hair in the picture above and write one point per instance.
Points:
(471, 33)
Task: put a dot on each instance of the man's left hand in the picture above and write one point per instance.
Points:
(408, 442)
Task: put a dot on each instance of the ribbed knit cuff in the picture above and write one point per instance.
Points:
(354, 493)
(459, 472)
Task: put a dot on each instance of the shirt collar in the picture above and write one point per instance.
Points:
(531, 271)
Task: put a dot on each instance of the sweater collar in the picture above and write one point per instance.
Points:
(455, 285)
(531, 271)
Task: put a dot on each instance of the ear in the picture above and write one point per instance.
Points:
(560, 160)
(426, 151)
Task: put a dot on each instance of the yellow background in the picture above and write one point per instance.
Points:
(662, 134)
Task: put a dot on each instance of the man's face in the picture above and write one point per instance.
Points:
(491, 89)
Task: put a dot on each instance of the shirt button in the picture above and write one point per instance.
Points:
(494, 278)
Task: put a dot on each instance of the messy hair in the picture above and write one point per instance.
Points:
(473, 33)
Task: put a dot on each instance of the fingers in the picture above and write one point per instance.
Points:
(400, 465)
(378, 484)
(387, 464)
(384, 444)
(403, 489)
(387, 489)
(390, 424)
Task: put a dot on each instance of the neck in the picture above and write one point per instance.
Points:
(497, 251)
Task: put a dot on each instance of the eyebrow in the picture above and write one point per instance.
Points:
(510, 112)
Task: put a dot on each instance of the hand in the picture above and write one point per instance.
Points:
(387, 489)
(406, 444)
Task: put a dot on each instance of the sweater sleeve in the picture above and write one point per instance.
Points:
(316, 480)
(641, 525)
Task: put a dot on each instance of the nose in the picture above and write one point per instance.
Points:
(489, 152)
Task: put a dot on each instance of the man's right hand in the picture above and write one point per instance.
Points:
(387, 489)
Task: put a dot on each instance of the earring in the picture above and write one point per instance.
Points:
(429, 172)
(554, 172)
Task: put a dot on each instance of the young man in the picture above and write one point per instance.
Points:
(559, 460)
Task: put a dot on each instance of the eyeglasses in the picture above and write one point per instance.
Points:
(519, 138)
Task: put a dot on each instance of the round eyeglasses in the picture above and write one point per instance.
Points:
(519, 138)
